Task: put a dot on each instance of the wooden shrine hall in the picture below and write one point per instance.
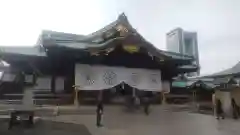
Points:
(113, 58)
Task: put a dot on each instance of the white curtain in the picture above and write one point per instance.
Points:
(102, 77)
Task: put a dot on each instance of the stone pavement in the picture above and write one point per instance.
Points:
(44, 127)
(162, 120)
(50, 110)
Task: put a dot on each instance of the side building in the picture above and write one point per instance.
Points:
(184, 42)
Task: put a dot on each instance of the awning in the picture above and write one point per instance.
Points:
(179, 84)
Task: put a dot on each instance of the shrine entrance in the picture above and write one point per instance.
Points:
(117, 85)
(118, 95)
(121, 93)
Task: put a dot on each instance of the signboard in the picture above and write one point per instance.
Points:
(131, 48)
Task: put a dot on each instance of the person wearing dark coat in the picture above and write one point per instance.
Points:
(220, 113)
(146, 105)
(234, 109)
(147, 102)
(99, 114)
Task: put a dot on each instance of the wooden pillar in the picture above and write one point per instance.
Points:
(194, 96)
(34, 78)
(53, 84)
(195, 105)
(21, 80)
(76, 101)
(100, 96)
(134, 92)
(163, 97)
(214, 104)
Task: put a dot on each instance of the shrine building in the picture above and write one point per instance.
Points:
(113, 58)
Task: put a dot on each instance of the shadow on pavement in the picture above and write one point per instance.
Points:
(44, 127)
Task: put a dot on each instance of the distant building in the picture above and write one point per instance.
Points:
(184, 42)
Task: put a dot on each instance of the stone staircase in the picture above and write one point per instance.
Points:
(41, 97)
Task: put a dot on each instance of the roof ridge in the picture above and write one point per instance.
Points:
(122, 18)
(236, 65)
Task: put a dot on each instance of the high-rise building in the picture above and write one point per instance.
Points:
(184, 42)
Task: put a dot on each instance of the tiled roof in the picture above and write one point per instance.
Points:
(90, 41)
(235, 70)
(201, 84)
(192, 84)
(188, 67)
(74, 41)
(179, 84)
(61, 36)
(27, 50)
(224, 80)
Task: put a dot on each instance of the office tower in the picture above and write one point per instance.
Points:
(184, 42)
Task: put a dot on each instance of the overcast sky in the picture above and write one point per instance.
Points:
(216, 22)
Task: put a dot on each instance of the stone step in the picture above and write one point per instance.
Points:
(41, 101)
(38, 95)
(40, 98)
(11, 101)
(52, 111)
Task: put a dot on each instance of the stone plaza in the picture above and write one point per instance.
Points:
(169, 120)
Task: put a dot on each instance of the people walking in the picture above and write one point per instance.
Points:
(220, 113)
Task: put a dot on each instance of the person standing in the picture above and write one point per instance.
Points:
(99, 114)
(146, 105)
(220, 113)
(147, 102)
(99, 110)
(234, 109)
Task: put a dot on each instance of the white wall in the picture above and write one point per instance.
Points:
(236, 95)
(225, 98)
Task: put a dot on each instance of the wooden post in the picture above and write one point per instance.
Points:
(195, 96)
(100, 96)
(163, 98)
(53, 83)
(76, 102)
(134, 92)
(195, 99)
(214, 104)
